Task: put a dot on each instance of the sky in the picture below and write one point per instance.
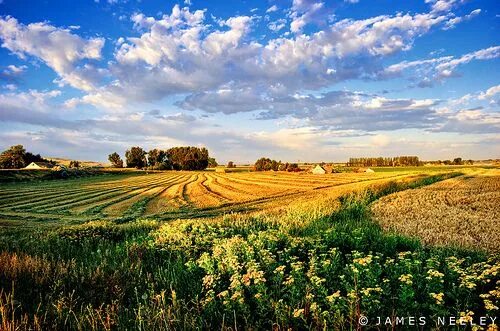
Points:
(293, 80)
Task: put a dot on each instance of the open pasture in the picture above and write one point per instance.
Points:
(166, 195)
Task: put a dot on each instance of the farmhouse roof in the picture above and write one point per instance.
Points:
(43, 164)
(319, 168)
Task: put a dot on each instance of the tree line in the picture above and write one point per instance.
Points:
(16, 157)
(405, 161)
(266, 164)
(455, 161)
(175, 158)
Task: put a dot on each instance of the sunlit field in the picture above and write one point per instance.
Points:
(247, 250)
(167, 195)
(461, 211)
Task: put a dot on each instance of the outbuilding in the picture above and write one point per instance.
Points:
(319, 170)
(39, 165)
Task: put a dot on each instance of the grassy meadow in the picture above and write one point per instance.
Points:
(206, 250)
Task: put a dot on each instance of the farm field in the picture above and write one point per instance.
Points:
(246, 251)
(463, 210)
(167, 195)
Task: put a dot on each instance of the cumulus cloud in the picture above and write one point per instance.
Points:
(59, 48)
(489, 93)
(436, 69)
(11, 73)
(277, 25)
(31, 107)
(272, 9)
(451, 23)
(222, 69)
(181, 53)
(443, 5)
(340, 110)
(16, 70)
(304, 12)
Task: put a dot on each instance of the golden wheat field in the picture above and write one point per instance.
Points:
(166, 195)
(463, 210)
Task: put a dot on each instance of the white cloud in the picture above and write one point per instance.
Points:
(16, 70)
(58, 48)
(304, 12)
(451, 23)
(277, 25)
(444, 5)
(436, 69)
(489, 93)
(180, 53)
(272, 9)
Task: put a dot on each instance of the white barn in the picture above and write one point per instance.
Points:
(39, 165)
(319, 170)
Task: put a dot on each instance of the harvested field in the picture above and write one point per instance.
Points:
(164, 195)
(462, 211)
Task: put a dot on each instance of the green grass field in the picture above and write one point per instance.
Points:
(202, 250)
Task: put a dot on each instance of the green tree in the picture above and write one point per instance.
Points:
(116, 160)
(212, 163)
(231, 164)
(136, 157)
(30, 157)
(188, 158)
(157, 158)
(264, 164)
(13, 158)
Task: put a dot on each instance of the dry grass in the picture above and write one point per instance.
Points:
(462, 211)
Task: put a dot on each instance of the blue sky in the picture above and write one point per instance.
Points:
(306, 80)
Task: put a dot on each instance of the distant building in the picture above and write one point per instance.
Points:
(319, 170)
(360, 170)
(39, 165)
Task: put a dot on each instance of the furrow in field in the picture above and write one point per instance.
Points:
(220, 185)
(122, 199)
(119, 208)
(86, 200)
(268, 187)
(208, 196)
(48, 199)
(64, 203)
(124, 207)
(273, 180)
(169, 198)
(34, 196)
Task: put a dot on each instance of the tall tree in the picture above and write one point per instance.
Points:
(188, 158)
(116, 160)
(13, 158)
(156, 157)
(266, 164)
(136, 157)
